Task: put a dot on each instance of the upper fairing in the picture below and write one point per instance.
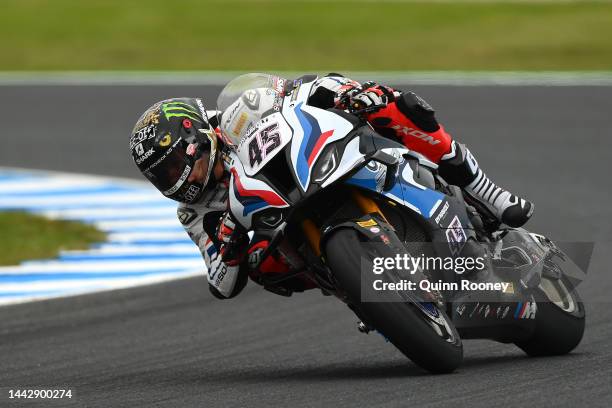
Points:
(313, 129)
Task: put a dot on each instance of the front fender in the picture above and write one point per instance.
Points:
(377, 231)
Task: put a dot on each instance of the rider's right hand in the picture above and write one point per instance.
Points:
(233, 240)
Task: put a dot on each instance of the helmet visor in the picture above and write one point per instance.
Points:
(170, 173)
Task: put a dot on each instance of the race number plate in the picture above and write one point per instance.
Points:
(265, 141)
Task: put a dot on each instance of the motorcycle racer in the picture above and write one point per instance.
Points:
(175, 145)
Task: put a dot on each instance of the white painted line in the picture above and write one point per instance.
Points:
(14, 187)
(79, 287)
(55, 266)
(127, 237)
(108, 249)
(113, 213)
(82, 199)
(128, 225)
(33, 173)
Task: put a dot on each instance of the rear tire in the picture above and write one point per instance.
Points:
(404, 324)
(560, 321)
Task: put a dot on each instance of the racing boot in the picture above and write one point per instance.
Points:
(459, 167)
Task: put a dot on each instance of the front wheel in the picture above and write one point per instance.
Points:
(423, 333)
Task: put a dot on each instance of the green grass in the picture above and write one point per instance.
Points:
(303, 35)
(27, 236)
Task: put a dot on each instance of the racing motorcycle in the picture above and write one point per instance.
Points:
(330, 195)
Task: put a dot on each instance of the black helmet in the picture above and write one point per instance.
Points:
(166, 142)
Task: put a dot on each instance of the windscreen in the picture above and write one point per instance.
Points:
(244, 101)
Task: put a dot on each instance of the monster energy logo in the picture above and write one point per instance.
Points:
(179, 110)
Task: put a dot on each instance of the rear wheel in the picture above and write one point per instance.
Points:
(559, 320)
(423, 332)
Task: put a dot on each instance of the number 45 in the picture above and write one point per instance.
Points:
(263, 143)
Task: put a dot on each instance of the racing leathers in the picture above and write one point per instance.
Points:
(402, 116)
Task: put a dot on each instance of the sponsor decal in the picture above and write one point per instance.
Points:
(455, 235)
(251, 99)
(201, 108)
(461, 309)
(407, 131)
(474, 310)
(179, 110)
(487, 311)
(150, 117)
(526, 310)
(232, 113)
(139, 149)
(191, 193)
(481, 310)
(442, 213)
(385, 239)
(179, 182)
(277, 104)
(366, 224)
(484, 310)
(375, 230)
(248, 132)
(186, 215)
(216, 267)
(240, 123)
(296, 89)
(221, 275)
(142, 135)
(191, 149)
(501, 311)
(255, 258)
(144, 156)
(278, 84)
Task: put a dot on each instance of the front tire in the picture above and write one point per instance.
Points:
(437, 349)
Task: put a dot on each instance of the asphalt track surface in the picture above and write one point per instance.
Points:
(174, 345)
